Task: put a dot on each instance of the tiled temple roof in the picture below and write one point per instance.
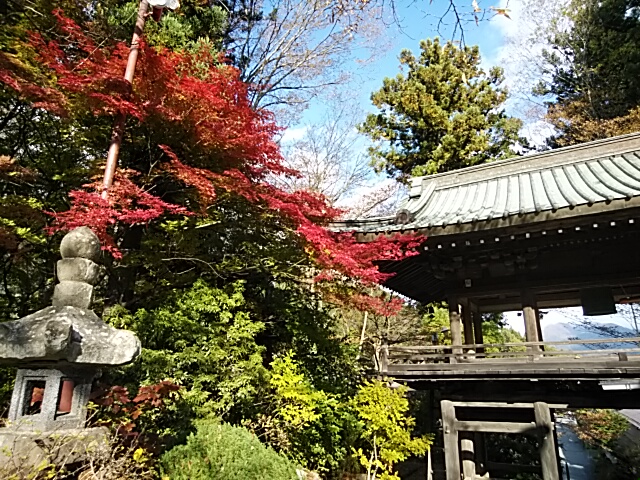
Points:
(555, 182)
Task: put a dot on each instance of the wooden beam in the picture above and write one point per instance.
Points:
(498, 468)
(548, 456)
(555, 442)
(450, 434)
(500, 405)
(513, 390)
(521, 344)
(549, 286)
(495, 427)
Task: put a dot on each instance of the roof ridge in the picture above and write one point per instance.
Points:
(583, 152)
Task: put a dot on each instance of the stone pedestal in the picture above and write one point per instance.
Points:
(22, 451)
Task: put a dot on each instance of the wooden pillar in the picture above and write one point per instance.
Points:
(548, 458)
(530, 322)
(450, 434)
(480, 453)
(467, 453)
(455, 324)
(540, 337)
(384, 358)
(477, 330)
(467, 323)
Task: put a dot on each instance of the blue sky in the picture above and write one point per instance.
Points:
(417, 24)
(417, 21)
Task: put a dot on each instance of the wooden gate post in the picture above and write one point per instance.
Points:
(451, 453)
(548, 458)
(467, 452)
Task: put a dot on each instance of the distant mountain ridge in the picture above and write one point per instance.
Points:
(558, 332)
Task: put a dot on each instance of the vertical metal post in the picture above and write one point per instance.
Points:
(477, 330)
(480, 451)
(118, 126)
(539, 327)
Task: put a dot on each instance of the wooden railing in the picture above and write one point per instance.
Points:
(436, 356)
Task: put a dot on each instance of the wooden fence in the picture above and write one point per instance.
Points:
(435, 357)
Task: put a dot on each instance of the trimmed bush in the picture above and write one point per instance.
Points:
(224, 452)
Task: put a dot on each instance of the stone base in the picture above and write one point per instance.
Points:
(26, 450)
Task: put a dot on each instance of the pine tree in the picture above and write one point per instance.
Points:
(445, 113)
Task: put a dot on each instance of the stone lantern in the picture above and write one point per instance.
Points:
(59, 351)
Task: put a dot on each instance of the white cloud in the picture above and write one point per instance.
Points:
(293, 134)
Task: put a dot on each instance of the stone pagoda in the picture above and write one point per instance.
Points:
(59, 351)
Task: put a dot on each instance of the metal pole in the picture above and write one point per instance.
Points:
(118, 126)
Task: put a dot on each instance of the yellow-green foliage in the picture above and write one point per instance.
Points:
(387, 429)
(600, 427)
(296, 401)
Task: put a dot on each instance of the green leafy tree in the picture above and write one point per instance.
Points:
(314, 427)
(296, 401)
(202, 338)
(444, 113)
(496, 331)
(387, 429)
(590, 71)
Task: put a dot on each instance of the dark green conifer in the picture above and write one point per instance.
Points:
(444, 113)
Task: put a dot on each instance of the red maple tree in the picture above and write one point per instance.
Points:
(202, 97)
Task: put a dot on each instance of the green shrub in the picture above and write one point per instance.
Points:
(224, 452)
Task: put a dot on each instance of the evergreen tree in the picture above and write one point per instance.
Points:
(445, 113)
(592, 69)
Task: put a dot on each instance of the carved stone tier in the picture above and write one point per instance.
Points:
(66, 334)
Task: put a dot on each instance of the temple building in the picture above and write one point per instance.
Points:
(554, 229)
